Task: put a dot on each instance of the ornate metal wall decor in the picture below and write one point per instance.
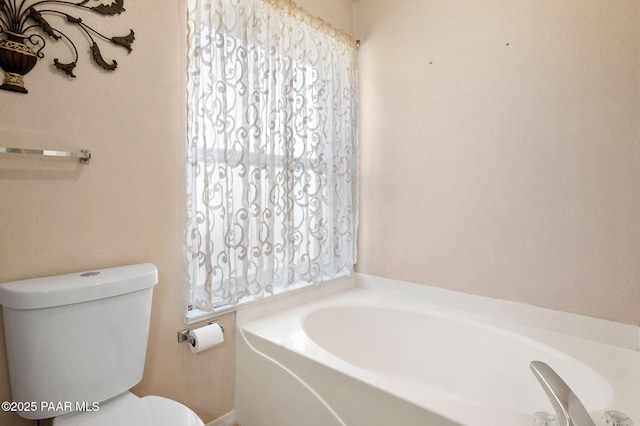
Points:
(25, 27)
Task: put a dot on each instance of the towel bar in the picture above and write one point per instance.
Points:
(84, 155)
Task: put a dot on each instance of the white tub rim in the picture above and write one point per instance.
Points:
(388, 289)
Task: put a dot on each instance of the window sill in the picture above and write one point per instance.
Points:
(347, 281)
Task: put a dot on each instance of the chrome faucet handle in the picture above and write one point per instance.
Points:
(616, 418)
(542, 418)
(569, 410)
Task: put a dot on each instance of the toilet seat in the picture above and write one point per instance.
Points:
(129, 410)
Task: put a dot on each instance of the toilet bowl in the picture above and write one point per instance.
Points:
(127, 409)
(76, 344)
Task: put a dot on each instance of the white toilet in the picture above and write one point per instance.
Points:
(77, 343)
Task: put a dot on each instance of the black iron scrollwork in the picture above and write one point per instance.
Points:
(20, 18)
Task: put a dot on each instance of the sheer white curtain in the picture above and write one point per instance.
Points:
(271, 173)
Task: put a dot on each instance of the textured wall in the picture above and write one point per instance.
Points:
(57, 216)
(500, 149)
(338, 13)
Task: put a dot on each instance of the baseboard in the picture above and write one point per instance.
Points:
(228, 419)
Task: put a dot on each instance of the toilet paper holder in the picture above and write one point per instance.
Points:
(183, 335)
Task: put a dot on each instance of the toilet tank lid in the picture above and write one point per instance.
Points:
(47, 292)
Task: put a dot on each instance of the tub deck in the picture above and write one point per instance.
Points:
(324, 368)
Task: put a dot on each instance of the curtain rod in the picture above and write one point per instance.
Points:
(295, 10)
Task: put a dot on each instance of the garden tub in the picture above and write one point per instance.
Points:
(368, 357)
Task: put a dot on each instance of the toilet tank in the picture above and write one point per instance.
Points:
(76, 339)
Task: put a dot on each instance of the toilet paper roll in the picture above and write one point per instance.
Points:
(206, 337)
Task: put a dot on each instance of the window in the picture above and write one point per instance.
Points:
(271, 173)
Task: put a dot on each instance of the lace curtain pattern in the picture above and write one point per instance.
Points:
(271, 158)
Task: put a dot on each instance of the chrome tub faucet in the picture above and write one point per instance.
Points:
(569, 410)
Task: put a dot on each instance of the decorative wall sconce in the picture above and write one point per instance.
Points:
(21, 21)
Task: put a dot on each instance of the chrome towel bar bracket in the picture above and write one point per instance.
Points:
(84, 155)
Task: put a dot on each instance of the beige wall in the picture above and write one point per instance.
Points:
(500, 149)
(57, 216)
(338, 13)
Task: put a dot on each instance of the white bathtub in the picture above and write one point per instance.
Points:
(367, 357)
